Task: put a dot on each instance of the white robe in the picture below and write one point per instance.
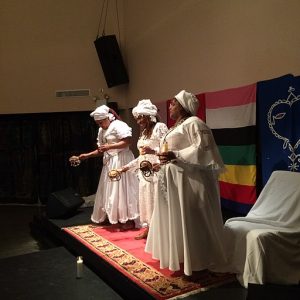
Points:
(118, 200)
(187, 224)
(146, 184)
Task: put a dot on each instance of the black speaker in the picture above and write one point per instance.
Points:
(63, 204)
(111, 60)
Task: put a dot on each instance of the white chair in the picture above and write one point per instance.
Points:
(264, 246)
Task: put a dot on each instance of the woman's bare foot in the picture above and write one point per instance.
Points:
(142, 235)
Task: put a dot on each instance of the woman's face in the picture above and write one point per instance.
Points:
(175, 109)
(143, 121)
(104, 124)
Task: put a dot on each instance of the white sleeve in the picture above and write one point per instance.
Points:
(133, 165)
(203, 150)
(99, 137)
(122, 129)
(159, 131)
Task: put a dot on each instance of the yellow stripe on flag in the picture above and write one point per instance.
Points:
(243, 175)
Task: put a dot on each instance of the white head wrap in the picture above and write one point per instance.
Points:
(147, 108)
(188, 101)
(101, 113)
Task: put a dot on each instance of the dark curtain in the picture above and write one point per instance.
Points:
(34, 153)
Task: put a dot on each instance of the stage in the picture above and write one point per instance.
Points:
(50, 273)
(119, 261)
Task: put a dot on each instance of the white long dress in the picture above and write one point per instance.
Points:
(187, 224)
(146, 184)
(118, 200)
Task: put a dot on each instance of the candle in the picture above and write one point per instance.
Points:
(79, 267)
(165, 147)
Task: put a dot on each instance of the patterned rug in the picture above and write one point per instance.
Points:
(127, 255)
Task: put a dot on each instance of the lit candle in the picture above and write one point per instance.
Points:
(79, 267)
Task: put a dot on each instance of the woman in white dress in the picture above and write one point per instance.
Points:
(151, 131)
(187, 224)
(116, 201)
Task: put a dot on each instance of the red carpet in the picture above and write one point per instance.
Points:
(126, 254)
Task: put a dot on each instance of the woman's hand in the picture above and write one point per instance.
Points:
(83, 156)
(165, 157)
(104, 148)
(156, 167)
(123, 169)
(146, 150)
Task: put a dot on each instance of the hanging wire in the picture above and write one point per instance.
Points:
(105, 2)
(118, 21)
(100, 18)
(103, 32)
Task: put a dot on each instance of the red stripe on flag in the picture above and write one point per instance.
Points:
(202, 107)
(239, 193)
(231, 97)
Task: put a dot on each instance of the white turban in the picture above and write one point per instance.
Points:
(135, 114)
(101, 113)
(188, 101)
(147, 108)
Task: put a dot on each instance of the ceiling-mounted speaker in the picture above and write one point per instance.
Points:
(111, 60)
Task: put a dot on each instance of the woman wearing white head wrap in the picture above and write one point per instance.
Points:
(116, 201)
(187, 224)
(151, 132)
(188, 101)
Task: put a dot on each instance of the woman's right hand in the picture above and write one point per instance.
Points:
(83, 156)
(123, 169)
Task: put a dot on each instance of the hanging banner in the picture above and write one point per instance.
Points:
(278, 102)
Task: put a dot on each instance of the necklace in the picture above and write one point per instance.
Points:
(173, 127)
(176, 125)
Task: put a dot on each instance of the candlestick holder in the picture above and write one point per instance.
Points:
(74, 161)
(146, 168)
(114, 175)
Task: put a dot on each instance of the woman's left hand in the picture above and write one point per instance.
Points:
(156, 167)
(104, 148)
(165, 157)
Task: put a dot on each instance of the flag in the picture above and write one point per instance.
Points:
(278, 107)
(231, 114)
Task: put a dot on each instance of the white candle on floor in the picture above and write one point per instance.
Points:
(79, 267)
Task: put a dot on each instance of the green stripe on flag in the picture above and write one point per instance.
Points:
(238, 155)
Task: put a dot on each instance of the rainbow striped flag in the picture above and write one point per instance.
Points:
(231, 114)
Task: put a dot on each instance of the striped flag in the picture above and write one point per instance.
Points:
(231, 114)
(278, 106)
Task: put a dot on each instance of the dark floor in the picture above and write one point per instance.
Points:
(16, 237)
(20, 246)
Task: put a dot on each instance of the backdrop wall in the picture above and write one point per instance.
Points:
(168, 45)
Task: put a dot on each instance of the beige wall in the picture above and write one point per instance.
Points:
(48, 45)
(168, 45)
(209, 45)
